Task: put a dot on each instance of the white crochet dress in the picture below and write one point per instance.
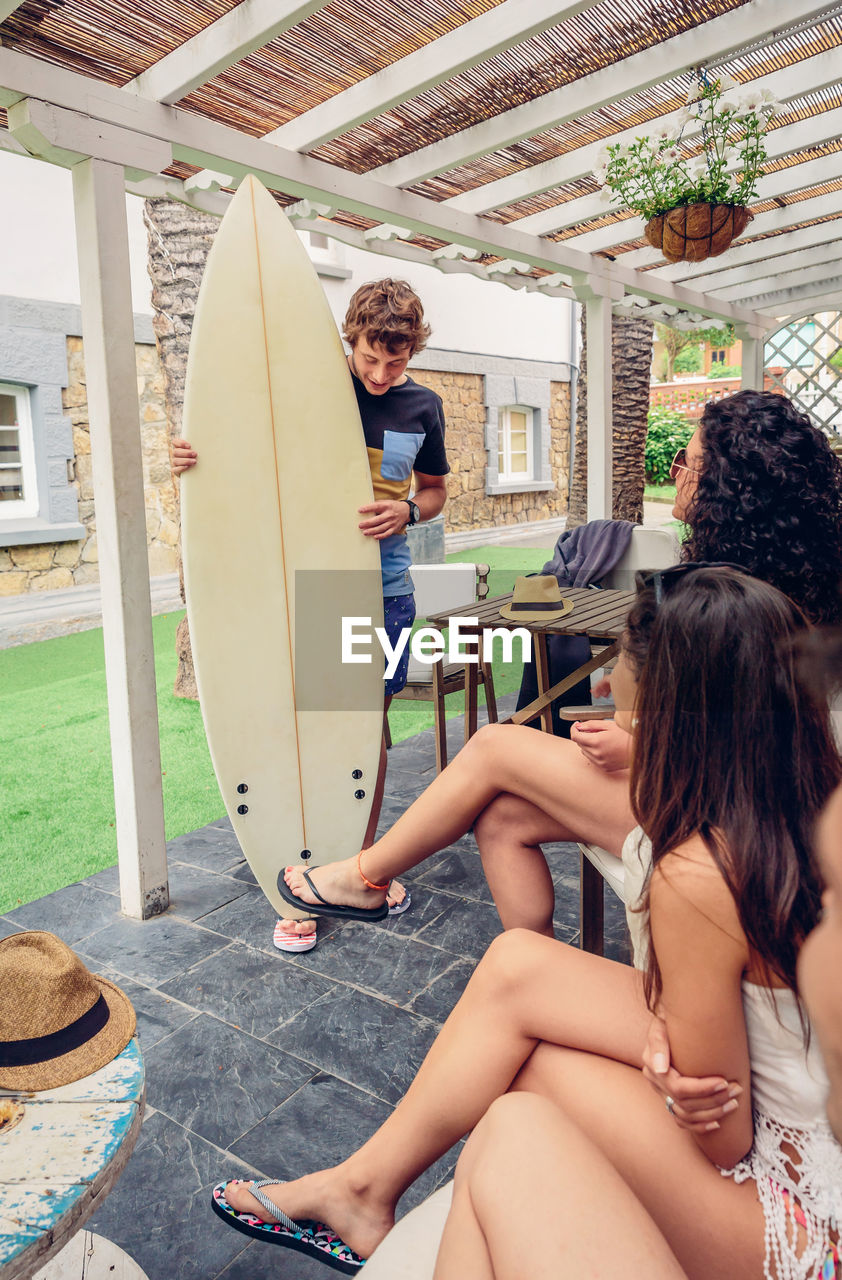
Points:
(789, 1088)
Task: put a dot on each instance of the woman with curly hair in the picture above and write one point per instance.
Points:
(760, 488)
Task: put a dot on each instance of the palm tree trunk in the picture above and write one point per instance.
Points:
(631, 355)
(179, 239)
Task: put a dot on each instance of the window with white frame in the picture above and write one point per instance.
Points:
(18, 483)
(514, 444)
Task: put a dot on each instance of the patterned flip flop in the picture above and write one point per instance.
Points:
(313, 1238)
(286, 940)
(399, 907)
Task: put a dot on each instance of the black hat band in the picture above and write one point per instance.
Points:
(24, 1053)
(534, 608)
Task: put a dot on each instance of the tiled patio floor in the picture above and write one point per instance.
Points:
(264, 1064)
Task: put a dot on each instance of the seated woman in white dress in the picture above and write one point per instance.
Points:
(731, 767)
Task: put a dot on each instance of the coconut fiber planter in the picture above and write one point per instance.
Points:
(694, 232)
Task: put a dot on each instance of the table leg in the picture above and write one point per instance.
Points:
(470, 699)
(543, 700)
(591, 907)
(542, 670)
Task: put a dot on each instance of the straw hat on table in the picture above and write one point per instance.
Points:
(58, 1021)
(536, 598)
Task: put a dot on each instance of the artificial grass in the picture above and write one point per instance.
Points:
(57, 823)
(659, 493)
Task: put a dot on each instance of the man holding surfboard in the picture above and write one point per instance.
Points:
(403, 425)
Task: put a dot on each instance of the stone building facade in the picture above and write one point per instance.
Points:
(53, 544)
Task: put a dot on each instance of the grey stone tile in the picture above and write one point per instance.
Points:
(437, 1000)
(251, 990)
(73, 913)
(107, 880)
(195, 891)
(465, 929)
(262, 1262)
(151, 951)
(381, 962)
(427, 905)
(458, 869)
(158, 1015)
(249, 918)
(159, 1211)
(217, 1081)
(243, 872)
(360, 1038)
(8, 927)
(214, 847)
(322, 1124)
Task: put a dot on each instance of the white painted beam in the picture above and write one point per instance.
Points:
(475, 41)
(743, 275)
(790, 215)
(38, 126)
(600, 426)
(702, 275)
(631, 75)
(777, 281)
(207, 144)
(752, 364)
(108, 337)
(826, 296)
(781, 182)
(8, 7)
(248, 26)
(818, 72)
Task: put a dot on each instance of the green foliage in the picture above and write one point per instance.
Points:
(689, 360)
(668, 431)
(653, 174)
(725, 371)
(836, 358)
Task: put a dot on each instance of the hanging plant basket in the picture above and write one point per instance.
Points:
(693, 232)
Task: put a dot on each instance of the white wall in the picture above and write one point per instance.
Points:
(38, 260)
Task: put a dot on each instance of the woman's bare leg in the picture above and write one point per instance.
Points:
(714, 1227)
(533, 1196)
(525, 989)
(509, 833)
(550, 773)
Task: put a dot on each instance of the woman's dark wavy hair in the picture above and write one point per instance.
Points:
(769, 498)
(729, 747)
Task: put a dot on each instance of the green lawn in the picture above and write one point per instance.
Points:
(57, 823)
(659, 493)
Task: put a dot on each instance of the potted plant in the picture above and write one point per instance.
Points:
(694, 201)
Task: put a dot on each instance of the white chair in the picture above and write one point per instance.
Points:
(439, 587)
(649, 549)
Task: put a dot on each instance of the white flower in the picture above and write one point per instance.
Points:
(684, 117)
(606, 195)
(728, 82)
(750, 101)
(672, 154)
(733, 157)
(697, 167)
(694, 93)
(728, 102)
(602, 158)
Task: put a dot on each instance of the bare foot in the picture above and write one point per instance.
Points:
(321, 1197)
(339, 883)
(301, 927)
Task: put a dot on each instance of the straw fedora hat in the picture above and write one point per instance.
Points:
(536, 599)
(58, 1021)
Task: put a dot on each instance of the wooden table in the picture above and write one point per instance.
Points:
(61, 1158)
(601, 615)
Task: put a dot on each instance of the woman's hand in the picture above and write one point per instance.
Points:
(602, 688)
(602, 742)
(183, 456)
(698, 1105)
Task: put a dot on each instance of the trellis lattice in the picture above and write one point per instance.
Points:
(804, 360)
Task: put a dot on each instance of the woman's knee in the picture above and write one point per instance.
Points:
(502, 819)
(509, 962)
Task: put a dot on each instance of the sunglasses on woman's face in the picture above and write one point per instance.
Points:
(663, 580)
(679, 463)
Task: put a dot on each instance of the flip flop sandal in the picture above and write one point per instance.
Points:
(313, 1238)
(285, 940)
(325, 908)
(399, 907)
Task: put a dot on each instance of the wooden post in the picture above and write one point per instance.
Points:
(598, 297)
(108, 335)
(752, 359)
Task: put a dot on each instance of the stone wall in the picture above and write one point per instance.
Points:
(468, 503)
(52, 565)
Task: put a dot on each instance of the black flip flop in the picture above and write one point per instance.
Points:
(325, 908)
(312, 1238)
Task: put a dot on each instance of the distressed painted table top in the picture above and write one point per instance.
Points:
(64, 1154)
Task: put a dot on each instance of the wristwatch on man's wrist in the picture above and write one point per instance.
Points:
(414, 513)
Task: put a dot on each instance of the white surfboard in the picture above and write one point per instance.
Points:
(273, 556)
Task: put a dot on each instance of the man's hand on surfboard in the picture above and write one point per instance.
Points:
(183, 456)
(387, 517)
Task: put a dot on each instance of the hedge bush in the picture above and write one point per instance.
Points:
(725, 371)
(668, 431)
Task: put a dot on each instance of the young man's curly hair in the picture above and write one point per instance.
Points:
(769, 498)
(388, 312)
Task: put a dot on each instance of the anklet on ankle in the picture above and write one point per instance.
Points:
(364, 878)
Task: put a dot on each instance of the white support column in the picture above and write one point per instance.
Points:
(598, 297)
(752, 357)
(108, 335)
